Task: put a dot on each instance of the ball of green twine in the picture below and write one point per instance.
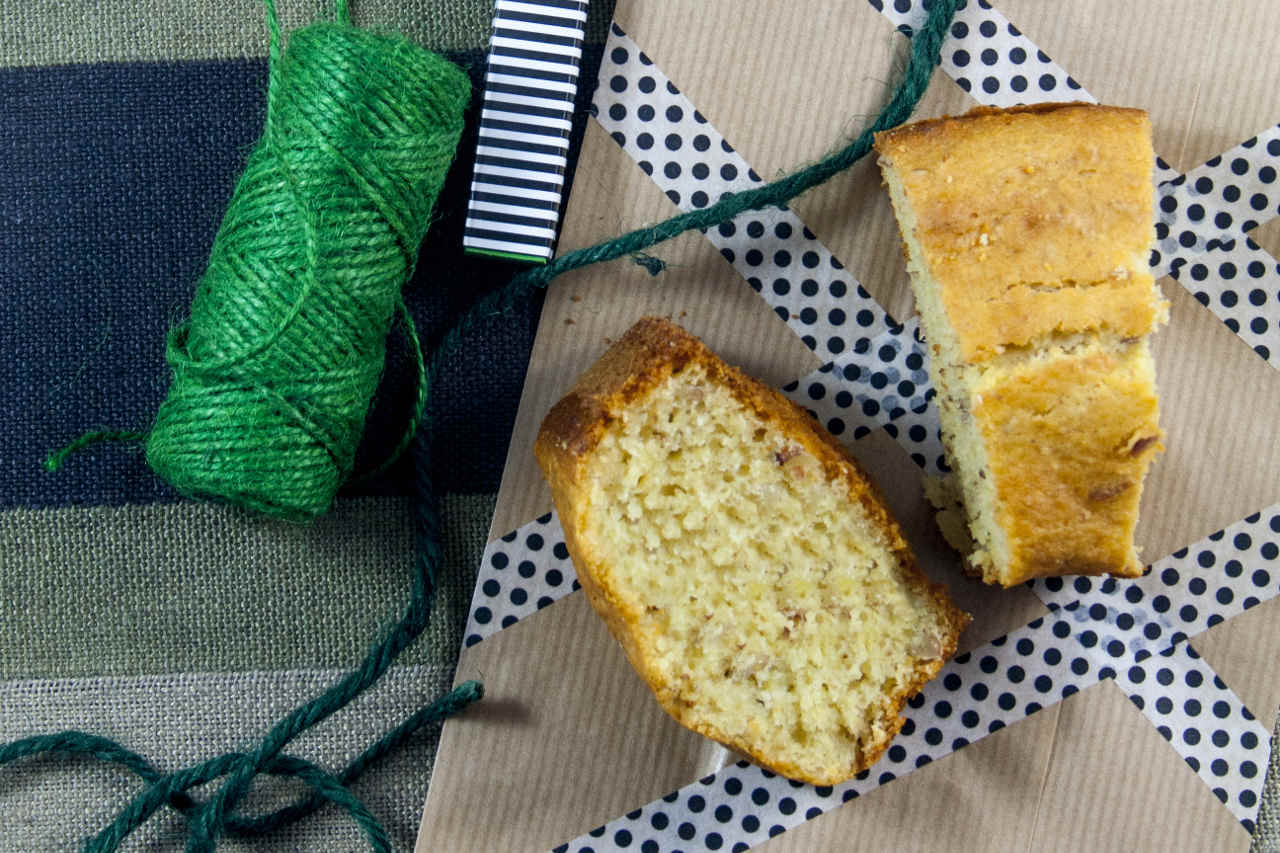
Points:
(274, 372)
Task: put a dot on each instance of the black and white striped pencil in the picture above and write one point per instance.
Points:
(535, 51)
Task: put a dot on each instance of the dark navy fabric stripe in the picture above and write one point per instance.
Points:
(115, 178)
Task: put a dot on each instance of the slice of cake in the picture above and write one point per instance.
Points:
(741, 558)
(1027, 234)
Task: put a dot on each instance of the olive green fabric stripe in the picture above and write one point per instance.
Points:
(199, 588)
(164, 30)
(86, 31)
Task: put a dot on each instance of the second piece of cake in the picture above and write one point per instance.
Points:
(748, 569)
(1027, 234)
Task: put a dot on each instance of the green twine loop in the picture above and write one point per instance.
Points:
(276, 368)
(926, 45)
(208, 820)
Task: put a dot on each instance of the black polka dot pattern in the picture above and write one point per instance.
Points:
(1097, 629)
(990, 58)
(1132, 631)
(1138, 629)
(519, 574)
(879, 384)
(875, 370)
(1182, 595)
(1204, 722)
(1202, 231)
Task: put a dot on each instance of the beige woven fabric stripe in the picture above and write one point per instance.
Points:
(184, 631)
(202, 588)
(79, 31)
(180, 719)
(1266, 839)
(57, 32)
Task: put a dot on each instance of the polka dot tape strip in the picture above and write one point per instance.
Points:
(1098, 630)
(521, 573)
(1222, 200)
(989, 57)
(1204, 218)
(1182, 595)
(1204, 722)
(826, 394)
(980, 692)
(780, 258)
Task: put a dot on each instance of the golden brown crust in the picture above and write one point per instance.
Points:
(1068, 442)
(1036, 219)
(1035, 223)
(652, 350)
(939, 123)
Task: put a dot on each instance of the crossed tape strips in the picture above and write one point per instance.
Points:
(875, 378)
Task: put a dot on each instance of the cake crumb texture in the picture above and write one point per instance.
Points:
(745, 564)
(1027, 233)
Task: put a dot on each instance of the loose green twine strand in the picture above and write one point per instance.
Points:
(926, 45)
(208, 820)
